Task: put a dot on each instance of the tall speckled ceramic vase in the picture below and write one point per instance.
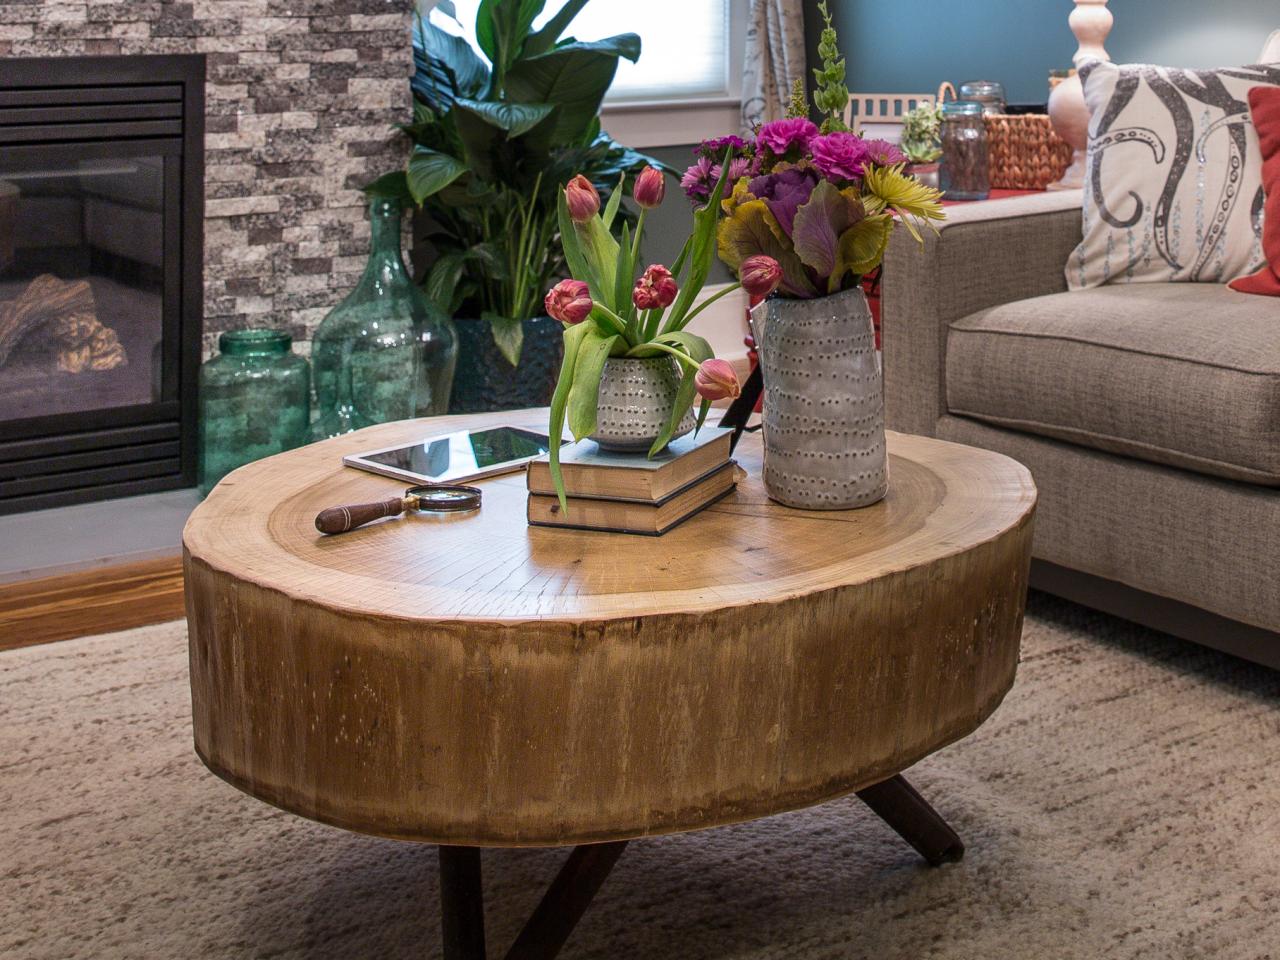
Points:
(823, 409)
(635, 402)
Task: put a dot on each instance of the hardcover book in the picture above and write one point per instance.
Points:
(591, 472)
(634, 516)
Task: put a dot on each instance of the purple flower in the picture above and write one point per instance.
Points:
(715, 148)
(697, 180)
(778, 136)
(840, 155)
(885, 154)
(783, 192)
(739, 167)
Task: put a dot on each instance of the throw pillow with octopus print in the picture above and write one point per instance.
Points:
(1174, 190)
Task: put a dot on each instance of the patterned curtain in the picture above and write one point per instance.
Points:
(774, 61)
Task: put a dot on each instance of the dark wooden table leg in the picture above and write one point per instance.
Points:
(565, 901)
(896, 802)
(461, 904)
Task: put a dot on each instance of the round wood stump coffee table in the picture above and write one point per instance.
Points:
(469, 680)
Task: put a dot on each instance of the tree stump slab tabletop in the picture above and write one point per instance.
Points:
(469, 680)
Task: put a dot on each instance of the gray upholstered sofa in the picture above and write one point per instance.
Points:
(1148, 413)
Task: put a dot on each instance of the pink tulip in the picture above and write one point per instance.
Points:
(760, 275)
(582, 199)
(656, 289)
(650, 188)
(569, 301)
(716, 380)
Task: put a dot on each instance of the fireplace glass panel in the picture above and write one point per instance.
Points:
(82, 285)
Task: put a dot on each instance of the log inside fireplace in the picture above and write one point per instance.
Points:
(101, 211)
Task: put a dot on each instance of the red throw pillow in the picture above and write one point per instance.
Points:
(1264, 104)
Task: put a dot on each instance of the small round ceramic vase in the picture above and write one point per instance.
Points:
(635, 402)
(823, 409)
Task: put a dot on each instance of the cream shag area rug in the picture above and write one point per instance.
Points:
(1123, 802)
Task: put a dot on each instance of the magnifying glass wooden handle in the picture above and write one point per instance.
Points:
(342, 519)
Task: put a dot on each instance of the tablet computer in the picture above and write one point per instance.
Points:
(455, 457)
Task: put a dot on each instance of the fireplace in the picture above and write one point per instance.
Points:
(101, 216)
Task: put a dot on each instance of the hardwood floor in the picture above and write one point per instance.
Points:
(91, 601)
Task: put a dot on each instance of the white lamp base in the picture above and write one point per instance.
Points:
(1070, 117)
(1073, 176)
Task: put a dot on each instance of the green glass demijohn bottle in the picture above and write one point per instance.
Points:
(255, 401)
(383, 353)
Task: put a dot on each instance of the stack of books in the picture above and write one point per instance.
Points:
(629, 493)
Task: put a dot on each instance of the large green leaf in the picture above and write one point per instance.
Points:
(540, 41)
(430, 171)
(861, 248)
(508, 334)
(445, 67)
(593, 351)
(819, 223)
(392, 186)
(575, 76)
(442, 280)
(501, 28)
(573, 336)
(512, 118)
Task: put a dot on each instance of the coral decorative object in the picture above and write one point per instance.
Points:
(1091, 23)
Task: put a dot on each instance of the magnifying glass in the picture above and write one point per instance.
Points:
(430, 498)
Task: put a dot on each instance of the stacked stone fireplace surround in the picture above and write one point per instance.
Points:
(301, 97)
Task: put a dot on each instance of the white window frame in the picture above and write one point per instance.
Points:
(676, 120)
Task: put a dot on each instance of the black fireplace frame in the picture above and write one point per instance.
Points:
(105, 106)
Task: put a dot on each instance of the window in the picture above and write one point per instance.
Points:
(687, 83)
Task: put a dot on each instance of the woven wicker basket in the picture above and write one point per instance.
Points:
(1025, 152)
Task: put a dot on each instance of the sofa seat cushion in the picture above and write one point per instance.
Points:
(1180, 374)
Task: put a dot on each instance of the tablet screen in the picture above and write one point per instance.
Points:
(465, 453)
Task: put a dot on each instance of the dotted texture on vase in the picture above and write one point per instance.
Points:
(635, 401)
(823, 403)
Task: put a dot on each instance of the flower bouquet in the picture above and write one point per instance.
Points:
(822, 203)
(631, 369)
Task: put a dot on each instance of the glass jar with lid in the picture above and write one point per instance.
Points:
(385, 352)
(989, 93)
(255, 401)
(965, 172)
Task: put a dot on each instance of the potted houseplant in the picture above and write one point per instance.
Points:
(631, 371)
(822, 202)
(921, 142)
(491, 144)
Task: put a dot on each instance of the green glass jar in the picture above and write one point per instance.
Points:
(384, 353)
(255, 401)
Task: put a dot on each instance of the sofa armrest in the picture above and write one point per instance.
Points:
(985, 254)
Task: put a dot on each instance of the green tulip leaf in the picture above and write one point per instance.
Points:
(579, 266)
(615, 200)
(583, 397)
(573, 337)
(702, 247)
(697, 349)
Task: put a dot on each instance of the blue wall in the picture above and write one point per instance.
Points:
(900, 46)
